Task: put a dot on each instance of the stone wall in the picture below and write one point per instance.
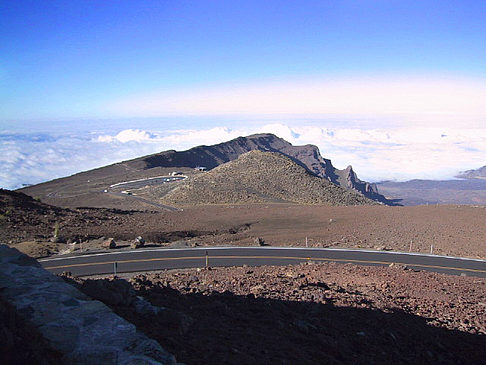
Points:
(84, 330)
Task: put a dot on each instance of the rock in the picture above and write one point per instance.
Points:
(256, 289)
(58, 239)
(144, 307)
(82, 330)
(137, 242)
(259, 241)
(177, 321)
(151, 348)
(109, 243)
(110, 292)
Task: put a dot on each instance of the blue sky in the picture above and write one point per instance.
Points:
(90, 69)
(69, 59)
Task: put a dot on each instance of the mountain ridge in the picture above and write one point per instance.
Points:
(89, 188)
(479, 173)
(307, 156)
(261, 177)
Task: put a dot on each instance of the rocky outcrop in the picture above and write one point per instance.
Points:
(262, 177)
(83, 330)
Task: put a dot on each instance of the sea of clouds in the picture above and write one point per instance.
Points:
(377, 154)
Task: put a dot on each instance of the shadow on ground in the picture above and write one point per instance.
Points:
(223, 328)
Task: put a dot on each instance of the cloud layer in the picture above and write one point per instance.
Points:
(376, 154)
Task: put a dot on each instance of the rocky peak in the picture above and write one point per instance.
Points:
(307, 156)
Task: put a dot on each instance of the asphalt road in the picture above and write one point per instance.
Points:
(159, 259)
(140, 183)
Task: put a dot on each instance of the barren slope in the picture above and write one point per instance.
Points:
(86, 188)
(451, 230)
(258, 177)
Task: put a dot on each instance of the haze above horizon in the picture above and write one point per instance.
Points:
(395, 88)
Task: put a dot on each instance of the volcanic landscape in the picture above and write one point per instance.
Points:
(247, 192)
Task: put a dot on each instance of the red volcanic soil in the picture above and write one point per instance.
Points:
(305, 314)
(451, 230)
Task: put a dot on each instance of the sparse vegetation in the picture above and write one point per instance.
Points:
(6, 214)
(56, 230)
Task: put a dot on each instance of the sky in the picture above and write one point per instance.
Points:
(394, 88)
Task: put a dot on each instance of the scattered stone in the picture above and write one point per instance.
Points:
(109, 243)
(259, 241)
(137, 242)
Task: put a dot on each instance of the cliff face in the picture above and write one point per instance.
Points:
(307, 156)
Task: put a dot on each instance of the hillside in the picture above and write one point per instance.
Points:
(259, 177)
(307, 156)
(87, 188)
(29, 226)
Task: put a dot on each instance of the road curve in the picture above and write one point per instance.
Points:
(159, 259)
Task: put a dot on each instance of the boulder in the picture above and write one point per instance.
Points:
(138, 242)
(109, 243)
(259, 241)
(110, 292)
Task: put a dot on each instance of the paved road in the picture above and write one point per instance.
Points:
(158, 259)
(140, 183)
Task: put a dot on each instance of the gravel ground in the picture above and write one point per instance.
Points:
(450, 230)
(306, 314)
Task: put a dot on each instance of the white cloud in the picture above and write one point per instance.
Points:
(128, 135)
(174, 139)
(376, 154)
